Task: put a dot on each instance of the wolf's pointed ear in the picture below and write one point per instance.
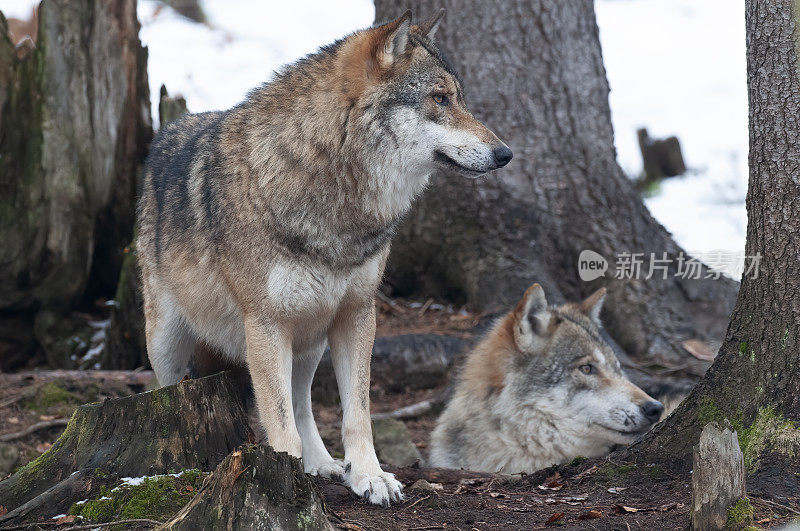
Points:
(531, 318)
(593, 304)
(392, 39)
(429, 27)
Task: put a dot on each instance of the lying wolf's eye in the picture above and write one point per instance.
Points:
(441, 99)
(587, 369)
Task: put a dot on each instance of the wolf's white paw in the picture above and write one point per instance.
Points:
(326, 469)
(380, 489)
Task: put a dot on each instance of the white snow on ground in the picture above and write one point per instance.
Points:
(678, 68)
(674, 66)
(214, 66)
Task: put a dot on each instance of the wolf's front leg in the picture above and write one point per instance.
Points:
(269, 358)
(351, 337)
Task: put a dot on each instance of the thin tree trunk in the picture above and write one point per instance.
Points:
(533, 72)
(758, 365)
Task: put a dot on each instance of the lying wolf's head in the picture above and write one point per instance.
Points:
(412, 99)
(566, 371)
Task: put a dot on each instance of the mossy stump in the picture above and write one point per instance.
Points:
(191, 425)
(255, 488)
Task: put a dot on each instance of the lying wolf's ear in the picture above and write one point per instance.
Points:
(531, 318)
(429, 27)
(593, 304)
(391, 40)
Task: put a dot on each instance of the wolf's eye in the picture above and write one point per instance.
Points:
(441, 99)
(587, 369)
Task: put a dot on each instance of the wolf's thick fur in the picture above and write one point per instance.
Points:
(264, 230)
(542, 388)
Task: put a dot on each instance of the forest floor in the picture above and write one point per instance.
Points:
(603, 493)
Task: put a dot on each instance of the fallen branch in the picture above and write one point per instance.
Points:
(45, 424)
(146, 521)
(776, 505)
(408, 412)
(16, 398)
(389, 302)
(129, 377)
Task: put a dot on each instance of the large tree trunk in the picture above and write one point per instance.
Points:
(533, 72)
(758, 365)
(75, 124)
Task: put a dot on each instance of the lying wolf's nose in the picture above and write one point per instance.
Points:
(652, 410)
(502, 155)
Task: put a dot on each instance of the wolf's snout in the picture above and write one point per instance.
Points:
(652, 410)
(502, 155)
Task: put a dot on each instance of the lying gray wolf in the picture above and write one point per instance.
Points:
(264, 230)
(542, 388)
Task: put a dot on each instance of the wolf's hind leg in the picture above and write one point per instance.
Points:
(170, 343)
(316, 459)
(351, 337)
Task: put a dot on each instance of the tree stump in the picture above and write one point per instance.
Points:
(660, 157)
(193, 424)
(170, 108)
(75, 126)
(255, 488)
(718, 479)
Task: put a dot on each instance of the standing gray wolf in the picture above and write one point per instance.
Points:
(542, 388)
(264, 230)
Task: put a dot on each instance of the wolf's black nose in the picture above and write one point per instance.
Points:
(502, 155)
(653, 410)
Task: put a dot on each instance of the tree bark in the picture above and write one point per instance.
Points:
(533, 72)
(758, 365)
(194, 424)
(255, 488)
(75, 126)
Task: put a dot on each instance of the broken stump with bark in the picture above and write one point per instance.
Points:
(718, 479)
(255, 488)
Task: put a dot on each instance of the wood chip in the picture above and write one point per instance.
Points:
(594, 513)
(554, 518)
(699, 350)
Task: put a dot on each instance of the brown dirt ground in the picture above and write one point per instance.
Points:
(401, 316)
(647, 497)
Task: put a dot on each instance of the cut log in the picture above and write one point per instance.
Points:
(255, 488)
(718, 479)
(194, 424)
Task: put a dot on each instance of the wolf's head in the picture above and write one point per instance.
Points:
(564, 369)
(399, 83)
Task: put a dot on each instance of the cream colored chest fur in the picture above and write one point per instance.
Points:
(304, 299)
